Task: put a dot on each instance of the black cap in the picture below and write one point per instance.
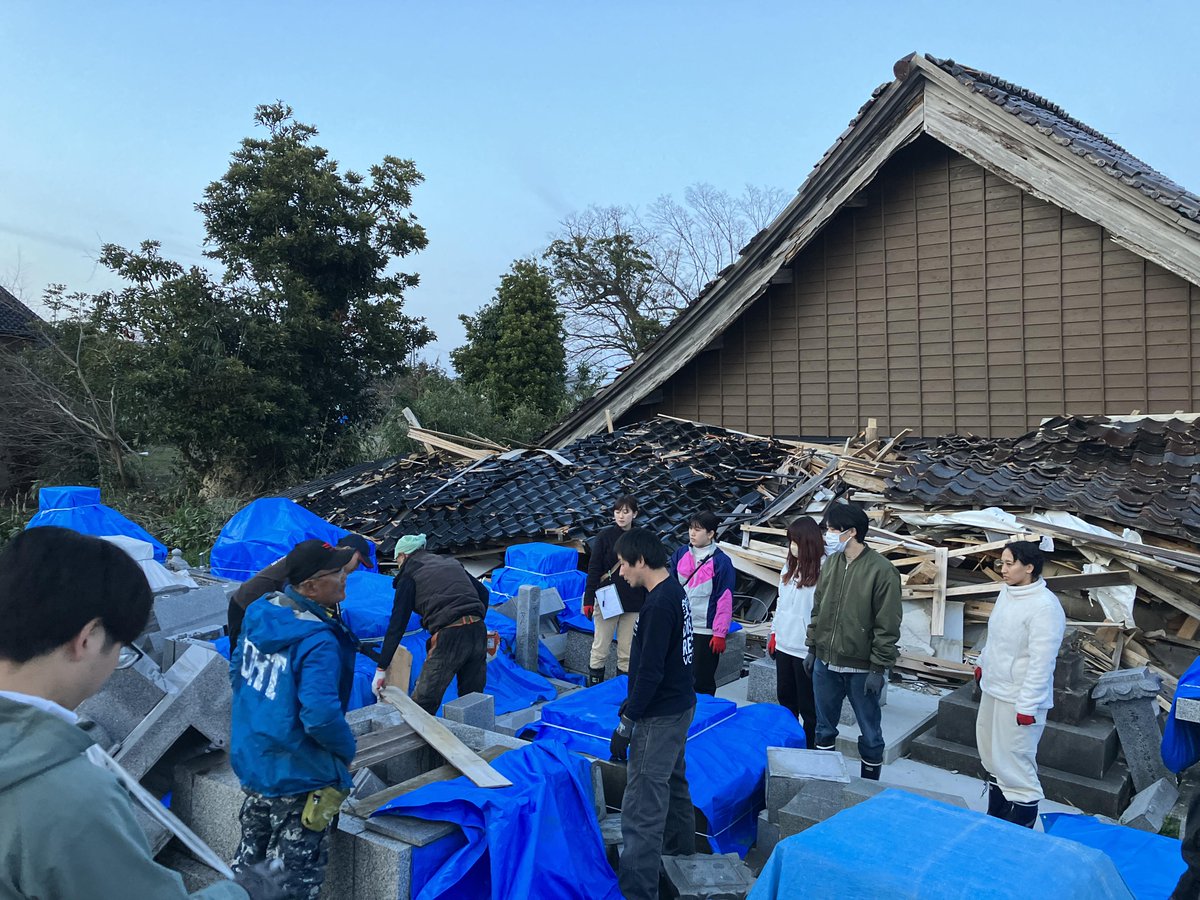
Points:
(358, 544)
(308, 558)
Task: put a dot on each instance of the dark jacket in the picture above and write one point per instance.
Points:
(856, 612)
(660, 660)
(267, 581)
(439, 590)
(602, 561)
(69, 828)
(292, 673)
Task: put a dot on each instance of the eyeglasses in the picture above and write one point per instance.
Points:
(128, 656)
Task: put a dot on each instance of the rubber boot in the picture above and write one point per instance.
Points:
(1024, 814)
(595, 676)
(870, 771)
(997, 805)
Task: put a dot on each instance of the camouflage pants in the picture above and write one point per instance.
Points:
(271, 829)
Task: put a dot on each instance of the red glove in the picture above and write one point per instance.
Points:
(978, 675)
(587, 611)
(771, 647)
(1023, 719)
(717, 644)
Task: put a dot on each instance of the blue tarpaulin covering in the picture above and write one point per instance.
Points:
(262, 532)
(904, 847)
(538, 839)
(545, 559)
(80, 509)
(726, 751)
(1181, 740)
(1149, 863)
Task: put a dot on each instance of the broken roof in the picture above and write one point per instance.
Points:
(16, 319)
(1138, 472)
(1006, 129)
(674, 468)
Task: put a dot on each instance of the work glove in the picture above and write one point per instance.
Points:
(588, 610)
(977, 685)
(379, 682)
(810, 662)
(771, 647)
(1023, 719)
(978, 676)
(266, 880)
(618, 745)
(874, 684)
(717, 644)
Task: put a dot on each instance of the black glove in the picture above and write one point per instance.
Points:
(810, 661)
(618, 745)
(874, 685)
(266, 880)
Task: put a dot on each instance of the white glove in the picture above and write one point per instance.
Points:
(379, 682)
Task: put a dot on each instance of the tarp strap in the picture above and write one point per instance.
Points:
(598, 737)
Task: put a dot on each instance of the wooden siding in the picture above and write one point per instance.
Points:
(951, 301)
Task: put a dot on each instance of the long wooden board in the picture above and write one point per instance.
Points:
(444, 741)
(370, 804)
(380, 746)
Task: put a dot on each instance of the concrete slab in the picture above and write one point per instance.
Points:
(208, 798)
(729, 666)
(194, 610)
(473, 709)
(762, 686)
(789, 770)
(908, 713)
(815, 802)
(1148, 809)
(119, 707)
(708, 876)
(409, 829)
(511, 724)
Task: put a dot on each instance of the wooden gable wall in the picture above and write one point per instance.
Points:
(950, 301)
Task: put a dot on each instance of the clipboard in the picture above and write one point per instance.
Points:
(608, 601)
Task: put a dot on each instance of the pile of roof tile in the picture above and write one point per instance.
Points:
(1144, 473)
(674, 468)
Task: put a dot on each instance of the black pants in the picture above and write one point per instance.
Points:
(704, 664)
(795, 690)
(458, 651)
(1188, 887)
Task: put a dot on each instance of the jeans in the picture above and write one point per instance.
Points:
(459, 651)
(795, 691)
(830, 689)
(657, 817)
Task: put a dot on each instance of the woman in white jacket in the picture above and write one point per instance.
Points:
(789, 628)
(1016, 675)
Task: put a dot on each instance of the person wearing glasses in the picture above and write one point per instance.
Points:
(69, 827)
(290, 745)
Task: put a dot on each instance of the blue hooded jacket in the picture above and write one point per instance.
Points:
(292, 673)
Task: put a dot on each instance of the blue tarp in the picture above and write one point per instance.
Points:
(904, 847)
(1181, 740)
(726, 751)
(262, 532)
(536, 840)
(506, 583)
(80, 509)
(1149, 863)
(541, 558)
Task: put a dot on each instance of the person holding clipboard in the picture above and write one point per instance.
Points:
(610, 601)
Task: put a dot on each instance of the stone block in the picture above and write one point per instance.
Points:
(1108, 795)
(1086, 749)
(556, 644)
(1131, 696)
(1072, 706)
(815, 802)
(729, 665)
(860, 789)
(208, 798)
(1187, 709)
(410, 829)
(789, 769)
(579, 651)
(513, 723)
(1149, 807)
(119, 707)
(480, 739)
(709, 876)
(473, 709)
(598, 801)
(763, 687)
(768, 835)
(195, 874)
(382, 866)
(366, 783)
(202, 701)
(157, 835)
(201, 609)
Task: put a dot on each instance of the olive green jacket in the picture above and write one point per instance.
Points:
(856, 612)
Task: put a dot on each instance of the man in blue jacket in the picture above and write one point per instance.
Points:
(657, 816)
(292, 672)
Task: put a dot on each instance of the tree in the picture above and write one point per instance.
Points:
(514, 351)
(622, 276)
(263, 372)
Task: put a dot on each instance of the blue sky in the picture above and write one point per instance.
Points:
(116, 115)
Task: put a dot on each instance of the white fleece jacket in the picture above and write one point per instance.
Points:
(793, 610)
(1024, 633)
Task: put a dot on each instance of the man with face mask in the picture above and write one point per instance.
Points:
(853, 633)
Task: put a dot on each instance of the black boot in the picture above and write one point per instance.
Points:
(870, 771)
(595, 676)
(997, 805)
(1024, 814)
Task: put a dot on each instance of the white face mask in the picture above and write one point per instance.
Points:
(834, 543)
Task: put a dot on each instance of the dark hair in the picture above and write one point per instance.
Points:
(805, 568)
(1029, 553)
(629, 502)
(705, 520)
(53, 581)
(641, 545)
(848, 515)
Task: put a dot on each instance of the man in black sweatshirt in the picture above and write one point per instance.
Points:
(657, 817)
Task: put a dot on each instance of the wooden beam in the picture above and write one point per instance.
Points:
(444, 741)
(1085, 537)
(369, 804)
(1181, 603)
(937, 614)
(379, 746)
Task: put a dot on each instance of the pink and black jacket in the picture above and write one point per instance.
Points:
(709, 588)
